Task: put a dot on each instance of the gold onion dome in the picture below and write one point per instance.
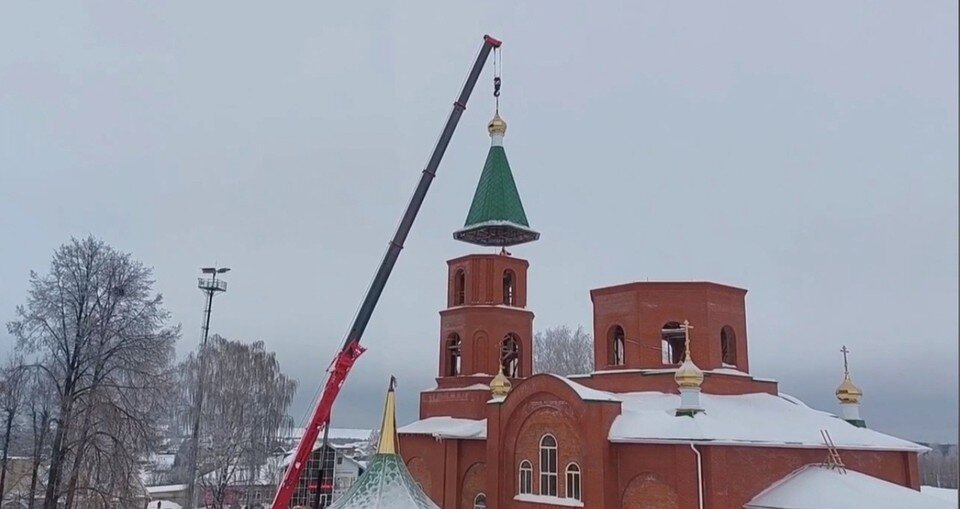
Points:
(847, 392)
(497, 126)
(500, 385)
(688, 375)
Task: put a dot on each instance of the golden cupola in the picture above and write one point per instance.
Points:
(497, 126)
(848, 392)
(688, 375)
(500, 385)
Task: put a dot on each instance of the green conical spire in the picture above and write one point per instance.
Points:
(496, 216)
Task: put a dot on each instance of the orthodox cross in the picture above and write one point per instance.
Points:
(686, 336)
(846, 367)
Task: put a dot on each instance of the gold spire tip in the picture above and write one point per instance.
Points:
(388, 430)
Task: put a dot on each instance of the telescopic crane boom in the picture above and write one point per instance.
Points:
(343, 362)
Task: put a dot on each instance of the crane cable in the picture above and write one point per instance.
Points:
(496, 77)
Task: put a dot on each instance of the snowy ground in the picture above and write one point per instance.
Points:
(948, 494)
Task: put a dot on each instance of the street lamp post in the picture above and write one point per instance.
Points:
(210, 286)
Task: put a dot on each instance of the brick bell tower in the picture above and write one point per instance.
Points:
(486, 326)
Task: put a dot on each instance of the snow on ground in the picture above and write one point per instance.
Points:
(948, 494)
(163, 504)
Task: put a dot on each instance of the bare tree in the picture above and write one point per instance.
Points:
(99, 335)
(12, 378)
(246, 398)
(39, 415)
(562, 351)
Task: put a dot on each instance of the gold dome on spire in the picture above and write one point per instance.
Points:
(848, 392)
(500, 385)
(497, 126)
(688, 375)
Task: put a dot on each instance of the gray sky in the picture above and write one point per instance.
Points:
(805, 151)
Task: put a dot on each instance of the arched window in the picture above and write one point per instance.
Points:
(616, 340)
(453, 355)
(672, 343)
(526, 478)
(573, 481)
(509, 288)
(728, 345)
(548, 465)
(510, 355)
(480, 501)
(459, 288)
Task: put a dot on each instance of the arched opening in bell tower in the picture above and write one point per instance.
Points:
(672, 343)
(728, 346)
(615, 340)
(509, 288)
(459, 288)
(510, 355)
(453, 355)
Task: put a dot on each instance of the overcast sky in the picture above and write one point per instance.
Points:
(804, 151)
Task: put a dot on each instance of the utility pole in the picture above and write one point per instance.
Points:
(209, 286)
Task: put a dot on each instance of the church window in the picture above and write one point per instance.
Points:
(510, 355)
(480, 501)
(573, 481)
(672, 343)
(459, 288)
(728, 345)
(616, 340)
(509, 288)
(453, 355)
(526, 478)
(548, 465)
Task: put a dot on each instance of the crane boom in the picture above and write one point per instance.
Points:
(343, 362)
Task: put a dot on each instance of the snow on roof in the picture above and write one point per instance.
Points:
(817, 487)
(547, 499)
(165, 488)
(447, 427)
(337, 433)
(743, 419)
(586, 393)
(948, 494)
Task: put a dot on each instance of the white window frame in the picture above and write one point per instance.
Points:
(550, 473)
(480, 501)
(526, 473)
(574, 487)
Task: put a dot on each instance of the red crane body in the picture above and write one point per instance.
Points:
(343, 362)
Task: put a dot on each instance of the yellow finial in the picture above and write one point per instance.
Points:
(388, 431)
(500, 385)
(848, 392)
(688, 374)
(497, 126)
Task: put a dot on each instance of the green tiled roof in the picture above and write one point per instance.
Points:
(386, 484)
(496, 215)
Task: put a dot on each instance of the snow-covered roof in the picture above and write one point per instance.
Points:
(447, 427)
(167, 488)
(586, 393)
(474, 387)
(337, 433)
(818, 487)
(386, 484)
(743, 419)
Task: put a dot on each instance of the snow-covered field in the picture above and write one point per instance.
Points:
(944, 493)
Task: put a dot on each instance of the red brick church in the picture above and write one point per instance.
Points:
(670, 416)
